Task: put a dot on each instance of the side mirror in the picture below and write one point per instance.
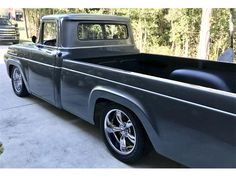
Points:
(16, 25)
(34, 38)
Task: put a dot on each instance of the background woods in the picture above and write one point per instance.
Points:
(164, 31)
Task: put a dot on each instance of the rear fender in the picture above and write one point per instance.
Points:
(126, 100)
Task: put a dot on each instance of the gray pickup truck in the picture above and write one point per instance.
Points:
(89, 66)
(8, 31)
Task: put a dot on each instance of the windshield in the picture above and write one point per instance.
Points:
(4, 21)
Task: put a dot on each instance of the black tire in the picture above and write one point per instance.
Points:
(112, 143)
(19, 91)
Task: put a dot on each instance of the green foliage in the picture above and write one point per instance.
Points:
(165, 31)
(33, 17)
(184, 32)
(219, 35)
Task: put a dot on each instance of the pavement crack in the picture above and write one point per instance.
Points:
(17, 106)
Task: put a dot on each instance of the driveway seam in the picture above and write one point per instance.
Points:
(5, 109)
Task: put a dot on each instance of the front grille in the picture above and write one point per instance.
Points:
(7, 37)
(7, 32)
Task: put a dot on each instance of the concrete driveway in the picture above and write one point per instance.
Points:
(36, 134)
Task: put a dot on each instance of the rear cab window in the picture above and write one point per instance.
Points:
(96, 31)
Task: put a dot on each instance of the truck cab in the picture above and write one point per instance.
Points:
(84, 31)
(74, 36)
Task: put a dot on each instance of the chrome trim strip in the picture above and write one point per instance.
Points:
(151, 92)
(8, 34)
(40, 63)
(7, 29)
(14, 54)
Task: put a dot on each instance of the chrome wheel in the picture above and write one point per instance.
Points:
(17, 80)
(120, 132)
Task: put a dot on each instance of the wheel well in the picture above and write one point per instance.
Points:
(100, 105)
(10, 69)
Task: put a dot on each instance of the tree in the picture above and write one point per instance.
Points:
(204, 34)
(26, 23)
(184, 31)
(178, 32)
(219, 33)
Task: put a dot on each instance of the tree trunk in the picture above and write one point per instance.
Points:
(26, 24)
(231, 28)
(204, 34)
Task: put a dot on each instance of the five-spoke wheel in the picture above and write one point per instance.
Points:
(122, 133)
(18, 83)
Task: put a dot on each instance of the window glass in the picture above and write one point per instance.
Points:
(94, 31)
(90, 32)
(49, 33)
(116, 31)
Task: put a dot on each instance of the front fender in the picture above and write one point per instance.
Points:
(9, 61)
(127, 101)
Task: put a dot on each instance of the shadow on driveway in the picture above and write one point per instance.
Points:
(151, 160)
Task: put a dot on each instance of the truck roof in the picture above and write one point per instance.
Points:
(82, 16)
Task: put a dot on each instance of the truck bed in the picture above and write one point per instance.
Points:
(210, 74)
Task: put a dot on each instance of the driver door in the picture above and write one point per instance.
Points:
(42, 66)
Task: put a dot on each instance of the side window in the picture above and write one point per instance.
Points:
(49, 33)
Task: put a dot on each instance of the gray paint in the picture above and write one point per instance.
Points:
(191, 123)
